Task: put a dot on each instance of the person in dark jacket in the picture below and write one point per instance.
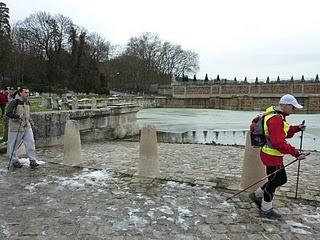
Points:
(20, 130)
(277, 129)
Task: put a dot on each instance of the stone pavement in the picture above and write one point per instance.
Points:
(108, 201)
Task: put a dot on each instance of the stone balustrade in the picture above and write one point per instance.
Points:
(114, 122)
(243, 96)
(93, 103)
(226, 90)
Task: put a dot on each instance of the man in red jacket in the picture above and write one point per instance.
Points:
(277, 129)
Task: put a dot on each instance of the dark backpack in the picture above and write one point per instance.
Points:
(257, 134)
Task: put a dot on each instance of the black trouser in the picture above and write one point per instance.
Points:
(275, 180)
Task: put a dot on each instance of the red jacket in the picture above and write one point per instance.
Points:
(3, 98)
(278, 141)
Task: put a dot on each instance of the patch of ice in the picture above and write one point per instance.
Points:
(170, 219)
(86, 177)
(183, 223)
(6, 231)
(133, 222)
(184, 211)
(166, 210)
(150, 214)
(203, 197)
(149, 202)
(299, 231)
(139, 196)
(225, 204)
(176, 185)
(312, 218)
(298, 227)
(132, 210)
(112, 208)
(169, 199)
(120, 226)
(96, 176)
(50, 200)
(72, 183)
(31, 187)
(295, 224)
(234, 216)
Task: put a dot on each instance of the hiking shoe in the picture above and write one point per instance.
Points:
(33, 164)
(271, 214)
(256, 200)
(17, 164)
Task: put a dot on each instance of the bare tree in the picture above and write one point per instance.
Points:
(99, 48)
(158, 61)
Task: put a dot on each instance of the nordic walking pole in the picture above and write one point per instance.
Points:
(14, 145)
(236, 194)
(300, 149)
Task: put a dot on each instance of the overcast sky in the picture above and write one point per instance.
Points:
(234, 38)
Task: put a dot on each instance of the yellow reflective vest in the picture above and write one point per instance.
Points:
(268, 149)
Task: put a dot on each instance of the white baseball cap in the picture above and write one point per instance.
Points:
(289, 99)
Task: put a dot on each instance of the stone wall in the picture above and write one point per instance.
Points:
(243, 96)
(225, 90)
(96, 124)
(311, 104)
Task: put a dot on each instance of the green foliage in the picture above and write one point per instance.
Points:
(41, 88)
(104, 91)
(36, 105)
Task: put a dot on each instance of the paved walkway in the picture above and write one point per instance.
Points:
(58, 202)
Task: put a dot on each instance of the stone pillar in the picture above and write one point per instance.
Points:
(148, 157)
(46, 102)
(93, 103)
(65, 106)
(75, 104)
(72, 144)
(252, 168)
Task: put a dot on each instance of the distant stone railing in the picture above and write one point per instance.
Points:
(243, 96)
(114, 122)
(306, 89)
(97, 103)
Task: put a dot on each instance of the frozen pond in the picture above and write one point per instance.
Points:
(220, 126)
